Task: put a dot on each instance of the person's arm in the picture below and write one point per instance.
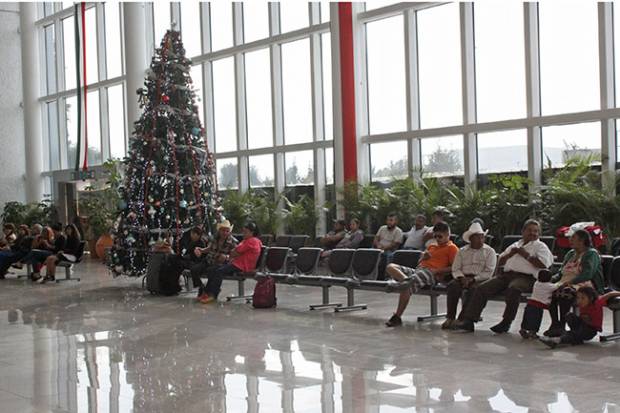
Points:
(356, 239)
(590, 264)
(489, 267)
(375, 242)
(542, 257)
(510, 252)
(611, 294)
(457, 266)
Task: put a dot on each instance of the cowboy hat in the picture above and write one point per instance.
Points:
(224, 224)
(474, 228)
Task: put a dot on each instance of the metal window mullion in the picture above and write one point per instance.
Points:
(337, 110)
(276, 98)
(468, 83)
(60, 56)
(607, 85)
(207, 77)
(176, 22)
(104, 117)
(532, 78)
(104, 122)
(361, 93)
(62, 134)
(242, 140)
(149, 14)
(414, 161)
(101, 46)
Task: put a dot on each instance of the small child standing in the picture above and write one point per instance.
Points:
(588, 323)
(537, 303)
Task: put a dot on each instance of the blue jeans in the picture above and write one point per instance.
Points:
(216, 275)
(36, 256)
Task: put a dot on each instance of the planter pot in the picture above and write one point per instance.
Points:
(92, 247)
(104, 241)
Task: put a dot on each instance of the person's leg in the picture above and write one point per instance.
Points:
(400, 273)
(579, 331)
(216, 276)
(518, 285)
(454, 291)
(564, 303)
(532, 317)
(481, 295)
(50, 265)
(466, 297)
(197, 270)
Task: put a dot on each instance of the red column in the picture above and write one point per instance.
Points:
(347, 89)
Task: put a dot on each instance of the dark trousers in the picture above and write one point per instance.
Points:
(215, 275)
(198, 270)
(532, 318)
(455, 293)
(511, 284)
(9, 257)
(579, 331)
(558, 309)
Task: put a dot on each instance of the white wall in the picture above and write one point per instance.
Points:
(12, 146)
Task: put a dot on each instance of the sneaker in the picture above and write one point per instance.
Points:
(35, 276)
(45, 279)
(207, 299)
(394, 321)
(41, 280)
(528, 335)
(201, 296)
(501, 327)
(550, 342)
(448, 324)
(200, 293)
(465, 325)
(554, 331)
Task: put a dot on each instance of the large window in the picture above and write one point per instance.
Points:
(500, 61)
(116, 116)
(386, 75)
(569, 69)
(261, 171)
(328, 108)
(258, 98)
(221, 25)
(90, 33)
(439, 54)
(224, 105)
(388, 160)
(190, 25)
(293, 15)
(161, 21)
(72, 134)
(50, 58)
(561, 143)
(196, 75)
(94, 129)
(255, 20)
(442, 156)
(227, 176)
(299, 170)
(502, 151)
(114, 62)
(69, 52)
(297, 99)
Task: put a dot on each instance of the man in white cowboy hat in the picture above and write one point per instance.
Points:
(473, 264)
(216, 253)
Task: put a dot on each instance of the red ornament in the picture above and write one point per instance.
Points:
(165, 99)
(157, 203)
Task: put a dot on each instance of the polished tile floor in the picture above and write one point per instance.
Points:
(103, 345)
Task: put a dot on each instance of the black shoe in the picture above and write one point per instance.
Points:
(501, 328)
(549, 342)
(464, 325)
(394, 321)
(200, 291)
(554, 331)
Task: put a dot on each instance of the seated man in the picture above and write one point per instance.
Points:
(352, 239)
(388, 239)
(415, 236)
(216, 253)
(189, 246)
(242, 259)
(474, 264)
(521, 262)
(434, 267)
(337, 234)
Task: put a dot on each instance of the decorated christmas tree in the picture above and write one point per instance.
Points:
(170, 183)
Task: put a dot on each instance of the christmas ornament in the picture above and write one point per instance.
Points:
(183, 204)
(196, 131)
(165, 99)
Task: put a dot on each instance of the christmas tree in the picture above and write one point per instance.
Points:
(170, 183)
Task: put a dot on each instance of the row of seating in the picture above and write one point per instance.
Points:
(357, 270)
(67, 265)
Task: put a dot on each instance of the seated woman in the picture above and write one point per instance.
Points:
(68, 253)
(42, 247)
(8, 238)
(581, 267)
(352, 239)
(18, 250)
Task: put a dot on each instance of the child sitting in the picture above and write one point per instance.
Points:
(537, 303)
(588, 323)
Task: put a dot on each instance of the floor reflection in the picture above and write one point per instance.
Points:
(78, 367)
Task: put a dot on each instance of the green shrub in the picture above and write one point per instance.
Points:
(34, 213)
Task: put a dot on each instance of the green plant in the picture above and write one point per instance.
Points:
(301, 216)
(256, 205)
(34, 213)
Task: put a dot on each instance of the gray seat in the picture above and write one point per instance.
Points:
(367, 241)
(407, 258)
(68, 265)
(339, 265)
(365, 263)
(297, 241)
(266, 239)
(275, 261)
(283, 240)
(307, 260)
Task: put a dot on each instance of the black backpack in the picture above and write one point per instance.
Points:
(163, 273)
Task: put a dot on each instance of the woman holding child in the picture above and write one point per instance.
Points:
(581, 267)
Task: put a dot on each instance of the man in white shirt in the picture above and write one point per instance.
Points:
(415, 236)
(388, 239)
(521, 262)
(474, 264)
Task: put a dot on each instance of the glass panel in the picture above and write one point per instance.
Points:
(161, 20)
(386, 75)
(502, 151)
(375, 4)
(255, 20)
(94, 129)
(325, 12)
(71, 122)
(48, 8)
(227, 174)
(69, 52)
(190, 28)
(224, 107)
(297, 99)
(442, 156)
(328, 110)
(258, 98)
(67, 4)
(299, 168)
(52, 133)
(116, 114)
(569, 70)
(196, 75)
(293, 15)
(50, 58)
(617, 51)
(439, 65)
(92, 70)
(329, 166)
(561, 143)
(261, 170)
(500, 61)
(221, 25)
(388, 161)
(113, 29)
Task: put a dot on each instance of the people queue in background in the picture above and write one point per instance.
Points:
(41, 247)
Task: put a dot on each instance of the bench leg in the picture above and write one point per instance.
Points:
(351, 306)
(325, 300)
(616, 334)
(67, 276)
(240, 293)
(434, 311)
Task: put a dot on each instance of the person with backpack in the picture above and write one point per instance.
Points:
(242, 259)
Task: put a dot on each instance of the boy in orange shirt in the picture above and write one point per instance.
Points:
(435, 266)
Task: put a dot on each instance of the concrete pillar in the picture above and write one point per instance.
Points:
(32, 109)
(136, 59)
